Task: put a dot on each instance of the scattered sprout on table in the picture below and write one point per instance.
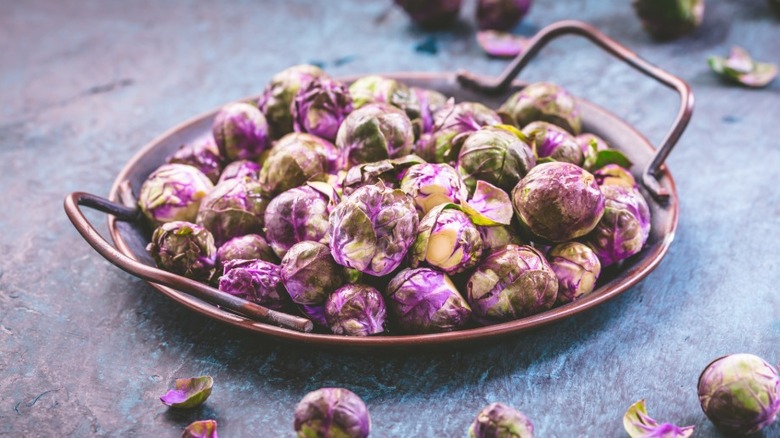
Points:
(173, 192)
(257, 281)
(184, 248)
(331, 413)
(234, 208)
(501, 44)
(432, 184)
(278, 96)
(668, 19)
(310, 274)
(202, 155)
(189, 393)
(374, 132)
(320, 106)
(615, 175)
(453, 123)
(447, 240)
(577, 269)
(498, 420)
(495, 154)
(240, 169)
(431, 13)
(624, 227)
(543, 101)
(298, 214)
(201, 429)
(640, 425)
(356, 310)
(740, 393)
(501, 14)
(295, 159)
(553, 143)
(240, 131)
(740, 68)
(246, 247)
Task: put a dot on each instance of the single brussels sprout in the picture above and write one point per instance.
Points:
(640, 425)
(332, 413)
(498, 420)
(447, 240)
(614, 175)
(295, 159)
(310, 274)
(452, 125)
(501, 44)
(320, 106)
(189, 393)
(278, 96)
(356, 310)
(173, 192)
(510, 284)
(740, 393)
(495, 155)
(240, 131)
(433, 184)
(492, 203)
(430, 102)
(246, 247)
(624, 229)
(668, 19)
(234, 208)
(558, 201)
(497, 237)
(424, 300)
(387, 171)
(201, 429)
(501, 14)
(377, 89)
(240, 169)
(296, 215)
(184, 248)
(202, 155)
(552, 142)
(431, 13)
(546, 102)
(740, 68)
(577, 269)
(373, 229)
(257, 281)
(374, 132)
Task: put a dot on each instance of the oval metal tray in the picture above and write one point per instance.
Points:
(130, 236)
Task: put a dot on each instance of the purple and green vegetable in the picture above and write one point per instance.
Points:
(331, 412)
(640, 425)
(201, 429)
(498, 420)
(669, 19)
(188, 393)
(740, 68)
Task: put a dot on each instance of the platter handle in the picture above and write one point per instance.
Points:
(566, 27)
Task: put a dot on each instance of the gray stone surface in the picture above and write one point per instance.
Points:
(86, 350)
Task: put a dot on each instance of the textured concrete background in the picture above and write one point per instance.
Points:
(86, 350)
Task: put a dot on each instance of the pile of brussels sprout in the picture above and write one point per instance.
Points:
(375, 208)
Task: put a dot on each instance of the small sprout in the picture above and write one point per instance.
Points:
(257, 281)
(639, 425)
(374, 132)
(320, 106)
(184, 248)
(240, 131)
(624, 227)
(296, 215)
(431, 13)
(202, 155)
(240, 169)
(201, 429)
(492, 202)
(278, 96)
(740, 393)
(546, 102)
(448, 240)
(553, 143)
(577, 268)
(740, 68)
(173, 192)
(453, 123)
(498, 420)
(668, 19)
(234, 208)
(189, 393)
(432, 184)
(501, 44)
(246, 247)
(331, 413)
(310, 274)
(356, 310)
(295, 159)
(614, 175)
(501, 14)
(499, 155)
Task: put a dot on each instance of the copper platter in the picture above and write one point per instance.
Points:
(130, 237)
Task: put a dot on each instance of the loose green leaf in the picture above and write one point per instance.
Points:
(596, 159)
(639, 425)
(740, 68)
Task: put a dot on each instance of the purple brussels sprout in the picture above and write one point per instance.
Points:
(201, 429)
(431, 13)
(558, 201)
(296, 215)
(202, 155)
(614, 175)
(234, 208)
(668, 19)
(497, 237)
(374, 132)
(320, 106)
(240, 169)
(546, 102)
(246, 247)
(497, 155)
(189, 393)
(295, 159)
(448, 240)
(310, 274)
(429, 102)
(501, 14)
(257, 281)
(740, 393)
(387, 171)
(184, 248)
(173, 192)
(278, 96)
(624, 229)
(356, 310)
(240, 131)
(640, 425)
(433, 184)
(577, 268)
(372, 229)
(424, 300)
(510, 284)
(332, 412)
(498, 420)
(377, 89)
(453, 123)
(553, 143)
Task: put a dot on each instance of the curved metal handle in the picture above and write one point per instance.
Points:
(154, 275)
(502, 83)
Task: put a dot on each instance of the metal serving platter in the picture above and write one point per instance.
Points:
(657, 185)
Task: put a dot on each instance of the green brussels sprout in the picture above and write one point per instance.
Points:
(257, 281)
(501, 14)
(278, 96)
(446, 240)
(424, 300)
(310, 274)
(667, 19)
(496, 155)
(298, 214)
(640, 425)
(614, 175)
(453, 123)
(201, 429)
(295, 159)
(376, 89)
(234, 208)
(372, 229)
(240, 131)
(387, 171)
(173, 192)
(246, 247)
(240, 169)
(432, 184)
(320, 106)
(740, 68)
(332, 413)
(431, 13)
(498, 420)
(546, 102)
(189, 393)
(184, 248)
(374, 132)
(356, 310)
(510, 284)
(558, 201)
(553, 143)
(624, 227)
(740, 393)
(202, 155)
(577, 268)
